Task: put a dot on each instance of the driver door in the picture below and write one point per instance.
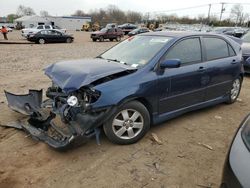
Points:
(184, 86)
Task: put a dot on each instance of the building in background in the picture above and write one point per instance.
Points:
(66, 22)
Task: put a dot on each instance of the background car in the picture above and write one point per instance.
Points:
(49, 36)
(236, 173)
(107, 33)
(127, 27)
(246, 51)
(138, 31)
(33, 30)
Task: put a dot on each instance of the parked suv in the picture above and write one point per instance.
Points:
(107, 33)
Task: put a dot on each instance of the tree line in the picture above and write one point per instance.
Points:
(113, 14)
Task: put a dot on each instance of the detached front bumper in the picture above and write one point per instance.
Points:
(78, 126)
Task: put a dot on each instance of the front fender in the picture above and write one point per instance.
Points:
(115, 96)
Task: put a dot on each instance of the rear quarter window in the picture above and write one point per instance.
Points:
(216, 48)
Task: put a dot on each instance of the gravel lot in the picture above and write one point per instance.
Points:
(181, 161)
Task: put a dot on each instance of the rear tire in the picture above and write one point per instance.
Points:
(235, 90)
(41, 41)
(68, 40)
(118, 38)
(128, 124)
(101, 39)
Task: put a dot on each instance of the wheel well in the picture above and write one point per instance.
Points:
(142, 101)
(241, 76)
(147, 105)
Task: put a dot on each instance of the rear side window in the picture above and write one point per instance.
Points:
(216, 48)
(40, 27)
(187, 51)
(47, 27)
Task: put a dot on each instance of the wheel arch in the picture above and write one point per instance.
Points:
(143, 101)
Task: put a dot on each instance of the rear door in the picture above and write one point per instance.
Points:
(184, 86)
(222, 66)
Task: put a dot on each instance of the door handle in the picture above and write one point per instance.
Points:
(233, 61)
(201, 69)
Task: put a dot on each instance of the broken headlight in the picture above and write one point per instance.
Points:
(72, 101)
(246, 132)
(89, 95)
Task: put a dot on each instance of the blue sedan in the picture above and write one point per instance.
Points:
(144, 80)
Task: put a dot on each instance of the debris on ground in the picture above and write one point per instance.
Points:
(156, 139)
(181, 156)
(156, 165)
(204, 186)
(218, 117)
(13, 124)
(206, 146)
(239, 100)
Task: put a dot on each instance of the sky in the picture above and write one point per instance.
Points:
(68, 7)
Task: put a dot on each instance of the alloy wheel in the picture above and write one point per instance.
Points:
(235, 89)
(127, 124)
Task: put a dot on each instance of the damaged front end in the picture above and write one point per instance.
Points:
(79, 121)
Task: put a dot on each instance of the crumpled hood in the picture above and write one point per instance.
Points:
(72, 75)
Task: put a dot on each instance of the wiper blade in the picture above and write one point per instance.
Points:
(115, 60)
(100, 57)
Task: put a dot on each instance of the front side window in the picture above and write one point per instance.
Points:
(187, 51)
(40, 27)
(216, 48)
(47, 27)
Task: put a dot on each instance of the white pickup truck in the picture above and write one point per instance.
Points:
(27, 31)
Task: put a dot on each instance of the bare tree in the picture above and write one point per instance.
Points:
(79, 13)
(11, 18)
(115, 14)
(44, 13)
(25, 11)
(237, 13)
(133, 17)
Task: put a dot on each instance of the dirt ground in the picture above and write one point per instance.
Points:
(182, 161)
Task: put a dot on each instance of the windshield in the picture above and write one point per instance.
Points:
(136, 51)
(246, 37)
(104, 30)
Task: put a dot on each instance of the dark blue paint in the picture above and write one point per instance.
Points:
(72, 75)
(165, 92)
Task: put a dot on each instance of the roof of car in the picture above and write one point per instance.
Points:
(178, 34)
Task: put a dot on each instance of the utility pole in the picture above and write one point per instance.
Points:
(208, 16)
(222, 10)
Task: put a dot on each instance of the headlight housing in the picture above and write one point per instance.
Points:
(72, 101)
(245, 133)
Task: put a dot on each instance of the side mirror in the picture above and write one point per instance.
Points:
(171, 63)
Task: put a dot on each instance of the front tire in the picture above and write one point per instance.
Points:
(118, 38)
(41, 41)
(235, 90)
(68, 40)
(129, 124)
(101, 39)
